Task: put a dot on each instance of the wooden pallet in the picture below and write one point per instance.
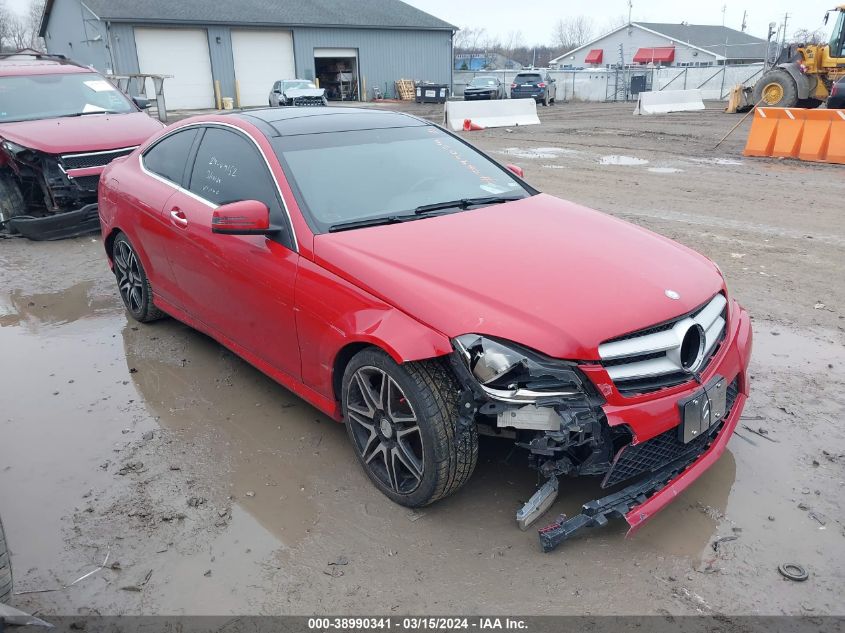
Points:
(405, 89)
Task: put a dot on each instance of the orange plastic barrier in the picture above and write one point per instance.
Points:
(814, 135)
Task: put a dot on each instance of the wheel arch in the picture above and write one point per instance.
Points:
(805, 84)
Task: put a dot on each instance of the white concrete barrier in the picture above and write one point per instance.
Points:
(669, 101)
(498, 113)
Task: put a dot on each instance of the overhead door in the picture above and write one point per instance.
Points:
(261, 58)
(182, 53)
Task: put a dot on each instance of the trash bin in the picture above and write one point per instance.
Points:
(432, 93)
(228, 103)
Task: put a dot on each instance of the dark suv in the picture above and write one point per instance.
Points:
(534, 85)
(836, 99)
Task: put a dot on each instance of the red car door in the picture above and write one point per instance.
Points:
(163, 166)
(240, 286)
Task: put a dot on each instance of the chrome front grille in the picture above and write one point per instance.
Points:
(93, 159)
(667, 354)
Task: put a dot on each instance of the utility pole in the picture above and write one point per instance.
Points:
(724, 10)
(630, 13)
(744, 22)
(783, 42)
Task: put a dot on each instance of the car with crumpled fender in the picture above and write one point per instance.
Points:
(408, 285)
(60, 124)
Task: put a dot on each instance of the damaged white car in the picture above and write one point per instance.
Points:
(297, 92)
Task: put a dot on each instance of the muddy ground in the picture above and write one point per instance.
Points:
(211, 490)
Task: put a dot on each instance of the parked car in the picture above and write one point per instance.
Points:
(534, 85)
(356, 257)
(836, 99)
(484, 88)
(297, 92)
(60, 124)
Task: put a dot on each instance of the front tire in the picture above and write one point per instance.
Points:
(11, 199)
(403, 424)
(132, 282)
(776, 89)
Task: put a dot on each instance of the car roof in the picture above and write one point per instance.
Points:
(24, 66)
(297, 121)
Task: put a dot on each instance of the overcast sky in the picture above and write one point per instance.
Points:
(534, 18)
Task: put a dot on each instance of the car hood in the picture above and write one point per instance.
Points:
(304, 92)
(93, 132)
(479, 88)
(549, 274)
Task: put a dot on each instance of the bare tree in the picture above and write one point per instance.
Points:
(614, 22)
(18, 34)
(5, 17)
(33, 20)
(806, 36)
(572, 32)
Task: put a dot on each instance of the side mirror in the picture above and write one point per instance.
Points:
(141, 102)
(245, 217)
(516, 171)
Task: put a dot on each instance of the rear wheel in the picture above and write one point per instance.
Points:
(5, 568)
(403, 424)
(776, 89)
(132, 282)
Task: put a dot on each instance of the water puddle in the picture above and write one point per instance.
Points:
(716, 161)
(537, 152)
(616, 159)
(554, 167)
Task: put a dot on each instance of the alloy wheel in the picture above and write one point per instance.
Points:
(385, 430)
(130, 281)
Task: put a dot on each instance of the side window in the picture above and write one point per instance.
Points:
(229, 168)
(167, 158)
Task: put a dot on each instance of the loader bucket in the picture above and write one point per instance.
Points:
(812, 135)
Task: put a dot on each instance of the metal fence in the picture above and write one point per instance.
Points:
(625, 83)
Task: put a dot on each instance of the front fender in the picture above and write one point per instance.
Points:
(332, 314)
(806, 84)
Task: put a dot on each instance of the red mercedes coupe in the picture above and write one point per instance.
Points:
(406, 284)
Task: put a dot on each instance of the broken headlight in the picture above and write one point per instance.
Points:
(18, 152)
(511, 373)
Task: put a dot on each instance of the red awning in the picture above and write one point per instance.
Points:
(594, 56)
(664, 54)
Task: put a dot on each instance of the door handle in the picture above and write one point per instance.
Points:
(177, 216)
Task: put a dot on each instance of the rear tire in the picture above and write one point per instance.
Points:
(11, 198)
(5, 568)
(406, 432)
(776, 89)
(132, 282)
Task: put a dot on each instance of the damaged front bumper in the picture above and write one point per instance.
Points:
(58, 226)
(633, 441)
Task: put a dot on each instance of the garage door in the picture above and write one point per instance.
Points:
(261, 58)
(182, 53)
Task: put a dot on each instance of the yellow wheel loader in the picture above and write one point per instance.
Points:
(806, 81)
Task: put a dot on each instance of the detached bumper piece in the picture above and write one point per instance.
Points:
(308, 101)
(597, 513)
(663, 457)
(59, 226)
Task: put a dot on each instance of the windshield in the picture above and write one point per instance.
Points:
(480, 82)
(287, 85)
(365, 174)
(26, 98)
(837, 37)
